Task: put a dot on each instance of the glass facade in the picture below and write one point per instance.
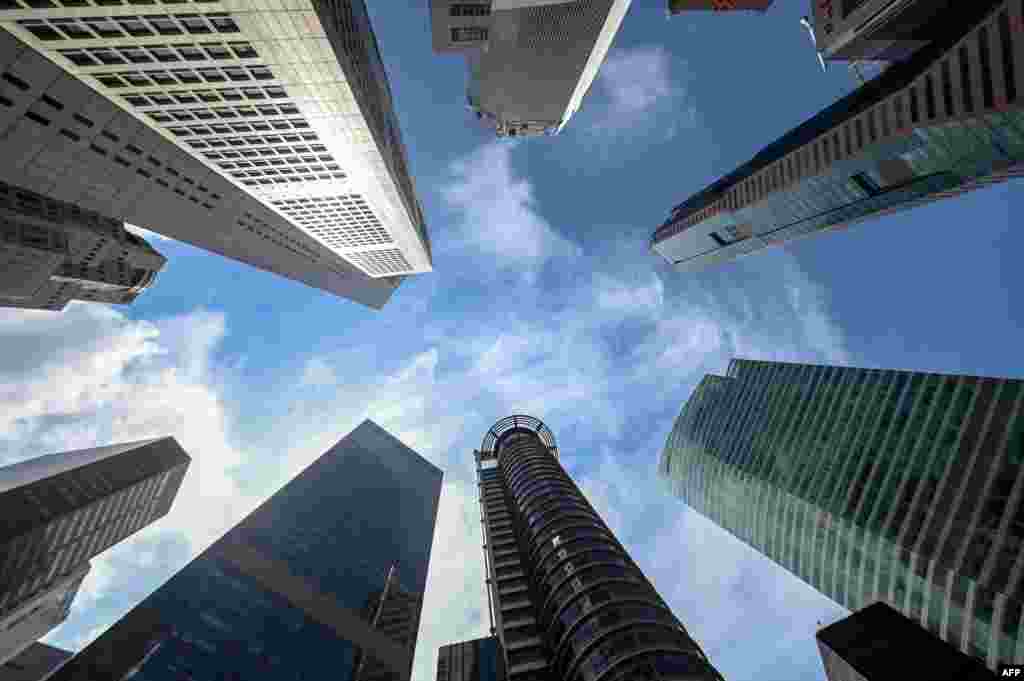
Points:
(943, 122)
(869, 485)
(60, 510)
(478, 660)
(569, 602)
(326, 574)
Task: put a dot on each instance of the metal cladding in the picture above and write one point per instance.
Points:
(569, 603)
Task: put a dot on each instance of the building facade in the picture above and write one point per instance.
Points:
(888, 30)
(944, 121)
(34, 663)
(319, 577)
(265, 134)
(53, 252)
(60, 510)
(679, 6)
(530, 62)
(34, 617)
(869, 485)
(878, 643)
(566, 600)
(478, 660)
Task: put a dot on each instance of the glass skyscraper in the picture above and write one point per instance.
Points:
(326, 575)
(480, 659)
(943, 121)
(569, 604)
(869, 485)
(58, 511)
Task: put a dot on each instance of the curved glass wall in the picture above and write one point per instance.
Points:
(596, 615)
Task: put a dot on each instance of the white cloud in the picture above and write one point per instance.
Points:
(498, 217)
(317, 372)
(641, 87)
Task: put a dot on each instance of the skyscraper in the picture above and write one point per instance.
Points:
(326, 574)
(530, 62)
(52, 252)
(680, 6)
(59, 511)
(869, 485)
(566, 600)
(943, 121)
(265, 134)
(33, 663)
(478, 660)
(879, 643)
(878, 29)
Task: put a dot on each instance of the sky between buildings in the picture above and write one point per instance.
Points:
(544, 300)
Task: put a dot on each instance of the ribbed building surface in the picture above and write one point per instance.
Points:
(945, 120)
(60, 510)
(870, 485)
(568, 601)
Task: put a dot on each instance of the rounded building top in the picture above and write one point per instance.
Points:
(519, 423)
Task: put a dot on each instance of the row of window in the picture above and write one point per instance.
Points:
(151, 54)
(171, 97)
(931, 98)
(91, 28)
(469, 9)
(221, 74)
(262, 141)
(270, 153)
(468, 34)
(226, 112)
(220, 129)
(47, 4)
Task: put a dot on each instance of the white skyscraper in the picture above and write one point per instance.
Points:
(530, 61)
(262, 132)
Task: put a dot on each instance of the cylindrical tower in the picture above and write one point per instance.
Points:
(568, 603)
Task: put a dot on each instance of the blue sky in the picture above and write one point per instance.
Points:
(544, 300)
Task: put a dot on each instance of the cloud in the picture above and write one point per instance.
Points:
(317, 372)
(497, 214)
(640, 88)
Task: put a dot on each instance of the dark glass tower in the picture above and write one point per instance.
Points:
(58, 511)
(878, 643)
(568, 602)
(326, 575)
(870, 485)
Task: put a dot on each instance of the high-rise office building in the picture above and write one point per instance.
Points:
(59, 511)
(679, 6)
(531, 62)
(34, 663)
(870, 485)
(566, 600)
(326, 574)
(53, 252)
(878, 643)
(888, 30)
(480, 659)
(263, 133)
(944, 121)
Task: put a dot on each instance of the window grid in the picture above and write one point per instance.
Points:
(153, 54)
(344, 221)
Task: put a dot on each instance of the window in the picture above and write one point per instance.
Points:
(465, 9)
(866, 183)
(466, 34)
(40, 29)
